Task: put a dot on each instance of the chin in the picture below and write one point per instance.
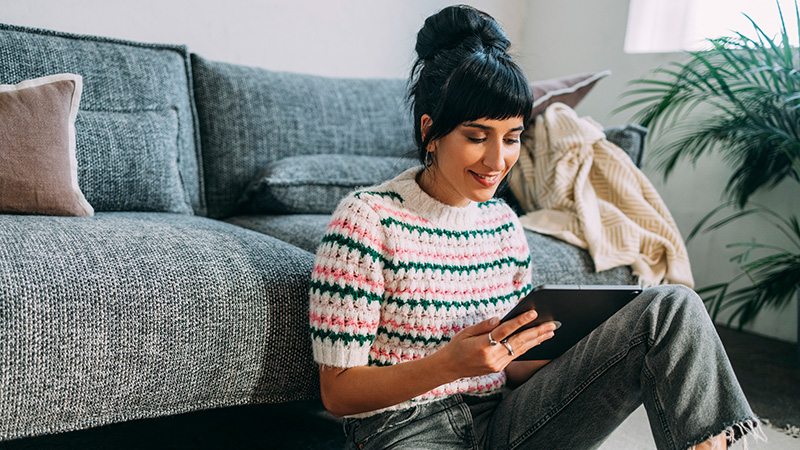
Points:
(481, 197)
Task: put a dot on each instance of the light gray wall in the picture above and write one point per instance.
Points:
(375, 38)
(348, 38)
(569, 36)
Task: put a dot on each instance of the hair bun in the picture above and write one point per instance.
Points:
(457, 26)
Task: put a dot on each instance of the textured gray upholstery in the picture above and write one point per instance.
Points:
(250, 117)
(136, 124)
(129, 315)
(630, 138)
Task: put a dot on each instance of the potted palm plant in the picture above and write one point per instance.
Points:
(739, 98)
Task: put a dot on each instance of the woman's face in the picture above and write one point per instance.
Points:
(470, 161)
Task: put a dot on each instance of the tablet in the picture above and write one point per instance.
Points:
(576, 309)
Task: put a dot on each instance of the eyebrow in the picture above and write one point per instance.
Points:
(486, 127)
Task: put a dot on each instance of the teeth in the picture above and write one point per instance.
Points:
(485, 177)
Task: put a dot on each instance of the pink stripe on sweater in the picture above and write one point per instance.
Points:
(399, 214)
(472, 293)
(361, 234)
(389, 355)
(335, 275)
(354, 230)
(495, 220)
(433, 331)
(319, 320)
(479, 388)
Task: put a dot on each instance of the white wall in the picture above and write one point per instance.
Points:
(349, 38)
(375, 38)
(571, 36)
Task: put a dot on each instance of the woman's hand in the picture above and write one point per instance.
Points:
(470, 352)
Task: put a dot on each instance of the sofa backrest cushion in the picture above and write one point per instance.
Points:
(250, 117)
(136, 127)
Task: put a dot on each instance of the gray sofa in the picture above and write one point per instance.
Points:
(211, 183)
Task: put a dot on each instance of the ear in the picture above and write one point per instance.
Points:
(425, 125)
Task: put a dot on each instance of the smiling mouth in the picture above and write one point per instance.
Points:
(486, 180)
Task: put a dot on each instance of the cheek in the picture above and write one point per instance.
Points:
(511, 158)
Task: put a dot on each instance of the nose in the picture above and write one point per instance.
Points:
(493, 156)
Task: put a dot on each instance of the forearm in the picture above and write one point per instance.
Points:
(362, 389)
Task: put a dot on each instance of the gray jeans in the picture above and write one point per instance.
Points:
(661, 350)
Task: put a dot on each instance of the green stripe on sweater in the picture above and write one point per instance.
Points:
(438, 304)
(320, 288)
(334, 336)
(344, 291)
(390, 194)
(366, 251)
(413, 339)
(389, 221)
(488, 203)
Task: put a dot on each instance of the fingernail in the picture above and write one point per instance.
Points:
(494, 321)
(531, 315)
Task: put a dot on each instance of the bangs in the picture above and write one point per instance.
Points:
(484, 86)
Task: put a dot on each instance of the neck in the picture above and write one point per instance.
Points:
(426, 179)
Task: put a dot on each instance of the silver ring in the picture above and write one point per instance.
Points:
(491, 341)
(508, 347)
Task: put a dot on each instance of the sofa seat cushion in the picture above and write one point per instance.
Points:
(123, 316)
(554, 261)
(557, 262)
(302, 230)
(136, 127)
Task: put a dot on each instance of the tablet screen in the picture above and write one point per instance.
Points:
(577, 309)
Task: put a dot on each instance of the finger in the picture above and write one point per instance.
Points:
(526, 340)
(508, 327)
(482, 327)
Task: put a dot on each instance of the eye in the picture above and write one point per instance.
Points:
(512, 141)
(475, 140)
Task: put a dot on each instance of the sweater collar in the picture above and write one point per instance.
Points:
(427, 207)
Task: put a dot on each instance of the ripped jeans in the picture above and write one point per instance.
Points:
(661, 350)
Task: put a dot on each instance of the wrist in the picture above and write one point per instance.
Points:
(443, 367)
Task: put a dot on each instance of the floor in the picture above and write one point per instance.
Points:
(767, 369)
(769, 372)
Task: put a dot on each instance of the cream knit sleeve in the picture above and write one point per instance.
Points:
(347, 286)
(525, 270)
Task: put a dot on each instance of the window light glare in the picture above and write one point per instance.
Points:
(658, 26)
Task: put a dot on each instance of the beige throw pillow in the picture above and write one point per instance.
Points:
(38, 168)
(569, 90)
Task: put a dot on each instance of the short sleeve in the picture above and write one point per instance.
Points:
(524, 272)
(347, 286)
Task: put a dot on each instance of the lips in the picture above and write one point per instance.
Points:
(486, 180)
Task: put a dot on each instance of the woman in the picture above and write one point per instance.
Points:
(412, 276)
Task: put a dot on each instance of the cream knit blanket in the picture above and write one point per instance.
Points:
(577, 186)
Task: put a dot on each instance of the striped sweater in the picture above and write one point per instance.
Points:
(399, 273)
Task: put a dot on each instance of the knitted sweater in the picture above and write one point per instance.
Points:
(399, 273)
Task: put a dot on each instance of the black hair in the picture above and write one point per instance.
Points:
(463, 72)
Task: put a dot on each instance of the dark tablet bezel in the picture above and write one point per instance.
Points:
(579, 309)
